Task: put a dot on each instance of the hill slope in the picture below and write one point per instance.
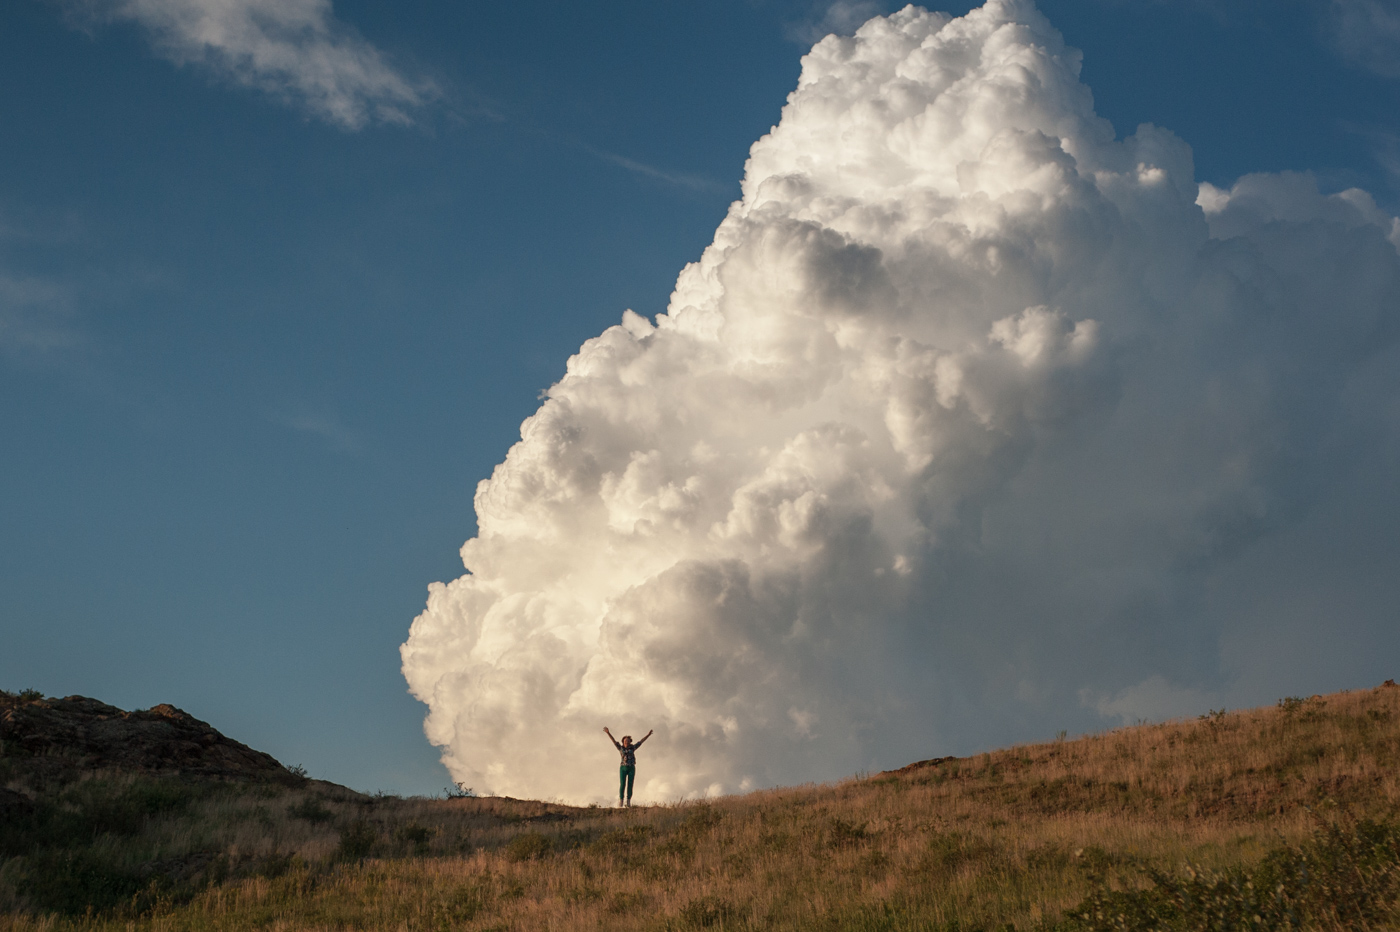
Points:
(1297, 799)
(62, 735)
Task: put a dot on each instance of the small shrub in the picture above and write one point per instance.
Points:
(843, 834)
(948, 852)
(621, 841)
(460, 907)
(415, 835)
(583, 894)
(74, 882)
(571, 839)
(528, 846)
(311, 810)
(706, 911)
(356, 841)
(700, 819)
(676, 847)
(624, 902)
(277, 864)
(875, 863)
(1095, 861)
(1048, 857)
(1344, 878)
(105, 808)
(736, 864)
(775, 841)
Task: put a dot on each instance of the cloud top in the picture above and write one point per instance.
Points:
(937, 443)
(296, 50)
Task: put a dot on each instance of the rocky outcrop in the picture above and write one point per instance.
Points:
(920, 765)
(81, 733)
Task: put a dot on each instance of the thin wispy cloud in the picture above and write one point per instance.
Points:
(34, 316)
(1367, 33)
(1385, 149)
(324, 427)
(295, 50)
(1384, 145)
(687, 180)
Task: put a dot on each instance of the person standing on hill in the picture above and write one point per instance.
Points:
(628, 774)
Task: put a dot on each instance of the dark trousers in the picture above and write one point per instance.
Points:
(626, 775)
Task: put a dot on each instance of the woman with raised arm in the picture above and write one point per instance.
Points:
(628, 773)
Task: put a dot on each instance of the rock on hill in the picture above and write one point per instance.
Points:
(77, 733)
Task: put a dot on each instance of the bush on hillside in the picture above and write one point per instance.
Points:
(1346, 877)
(312, 810)
(528, 846)
(356, 841)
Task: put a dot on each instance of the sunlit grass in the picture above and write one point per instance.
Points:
(1021, 836)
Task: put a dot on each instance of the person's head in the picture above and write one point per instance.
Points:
(626, 739)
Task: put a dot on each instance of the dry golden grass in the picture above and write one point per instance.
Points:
(1016, 836)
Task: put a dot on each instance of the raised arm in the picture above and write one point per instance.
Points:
(611, 738)
(644, 737)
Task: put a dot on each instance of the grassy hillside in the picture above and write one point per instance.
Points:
(1273, 818)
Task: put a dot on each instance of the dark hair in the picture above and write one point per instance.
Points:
(626, 738)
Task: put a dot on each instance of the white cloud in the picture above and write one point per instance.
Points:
(957, 421)
(1155, 699)
(1367, 32)
(293, 49)
(1289, 197)
(840, 18)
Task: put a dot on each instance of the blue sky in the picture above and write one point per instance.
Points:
(254, 360)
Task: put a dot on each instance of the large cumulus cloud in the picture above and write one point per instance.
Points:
(939, 443)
